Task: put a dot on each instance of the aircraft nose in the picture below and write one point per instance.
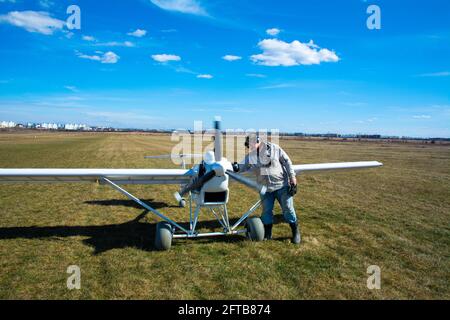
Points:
(218, 169)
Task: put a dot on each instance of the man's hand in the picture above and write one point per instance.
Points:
(294, 181)
(292, 186)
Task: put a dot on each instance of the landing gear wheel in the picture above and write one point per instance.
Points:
(255, 229)
(182, 203)
(163, 237)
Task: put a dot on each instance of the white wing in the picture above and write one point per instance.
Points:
(118, 176)
(175, 156)
(306, 168)
(144, 176)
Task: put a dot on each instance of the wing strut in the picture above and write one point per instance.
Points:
(143, 204)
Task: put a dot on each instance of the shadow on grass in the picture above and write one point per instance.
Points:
(134, 234)
(130, 203)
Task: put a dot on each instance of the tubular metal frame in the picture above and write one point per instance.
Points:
(219, 211)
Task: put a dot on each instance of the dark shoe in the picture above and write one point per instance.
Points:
(268, 231)
(296, 237)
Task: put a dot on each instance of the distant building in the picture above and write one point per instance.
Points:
(76, 127)
(330, 135)
(49, 126)
(7, 124)
(368, 136)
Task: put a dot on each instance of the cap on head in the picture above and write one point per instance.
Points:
(252, 139)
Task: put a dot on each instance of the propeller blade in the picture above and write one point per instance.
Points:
(196, 183)
(247, 182)
(217, 139)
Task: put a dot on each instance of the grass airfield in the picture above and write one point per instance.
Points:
(396, 217)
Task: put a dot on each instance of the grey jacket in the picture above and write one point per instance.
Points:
(271, 164)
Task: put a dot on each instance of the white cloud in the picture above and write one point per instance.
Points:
(169, 30)
(205, 76)
(280, 53)
(422, 116)
(182, 69)
(68, 34)
(88, 38)
(108, 57)
(165, 57)
(279, 86)
(366, 121)
(184, 6)
(256, 75)
(123, 117)
(127, 44)
(46, 3)
(435, 74)
(273, 31)
(354, 104)
(72, 88)
(33, 21)
(230, 57)
(138, 33)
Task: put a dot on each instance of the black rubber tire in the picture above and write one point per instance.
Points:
(163, 236)
(255, 229)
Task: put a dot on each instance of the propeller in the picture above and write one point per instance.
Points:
(217, 139)
(247, 182)
(196, 183)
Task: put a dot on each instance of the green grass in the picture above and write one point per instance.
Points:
(396, 217)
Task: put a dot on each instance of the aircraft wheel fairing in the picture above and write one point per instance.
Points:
(255, 229)
(163, 237)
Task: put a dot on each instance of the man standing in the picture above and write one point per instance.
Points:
(273, 169)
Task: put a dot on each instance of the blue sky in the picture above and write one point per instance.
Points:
(306, 66)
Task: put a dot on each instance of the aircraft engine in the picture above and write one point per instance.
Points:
(212, 182)
(215, 190)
